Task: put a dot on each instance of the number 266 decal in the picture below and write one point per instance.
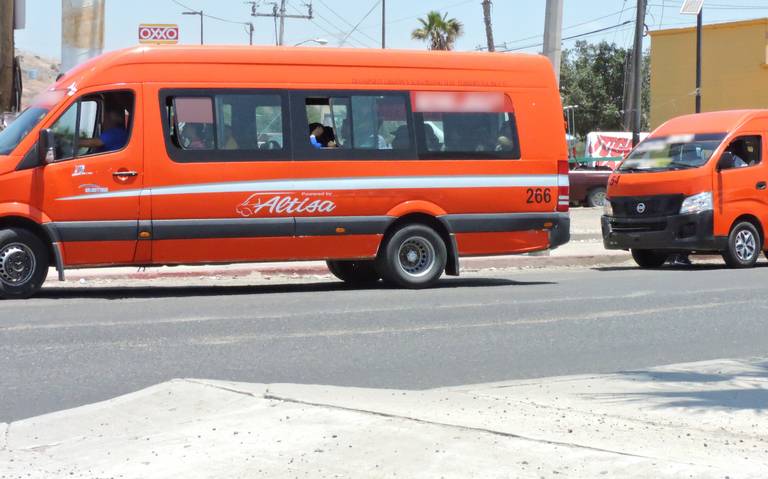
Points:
(538, 195)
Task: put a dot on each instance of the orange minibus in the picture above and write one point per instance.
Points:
(697, 184)
(386, 164)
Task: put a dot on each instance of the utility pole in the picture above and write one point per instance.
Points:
(202, 16)
(553, 34)
(383, 24)
(637, 73)
(488, 25)
(279, 14)
(6, 55)
(699, 21)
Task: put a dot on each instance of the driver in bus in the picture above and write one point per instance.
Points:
(113, 135)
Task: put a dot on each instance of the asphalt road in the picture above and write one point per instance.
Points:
(73, 346)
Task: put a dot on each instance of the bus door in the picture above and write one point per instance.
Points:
(91, 187)
(222, 191)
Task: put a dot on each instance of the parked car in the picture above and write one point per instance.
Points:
(589, 185)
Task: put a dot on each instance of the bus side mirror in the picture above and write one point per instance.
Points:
(726, 162)
(46, 147)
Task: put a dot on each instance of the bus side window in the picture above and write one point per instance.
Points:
(467, 129)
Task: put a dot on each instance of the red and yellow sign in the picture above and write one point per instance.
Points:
(158, 33)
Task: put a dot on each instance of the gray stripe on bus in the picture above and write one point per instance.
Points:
(339, 184)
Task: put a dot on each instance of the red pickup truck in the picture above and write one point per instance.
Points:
(588, 185)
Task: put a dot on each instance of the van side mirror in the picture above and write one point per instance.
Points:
(46, 147)
(726, 161)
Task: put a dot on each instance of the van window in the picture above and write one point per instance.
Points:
(224, 125)
(364, 122)
(466, 125)
(96, 123)
(250, 122)
(746, 151)
(472, 134)
(194, 123)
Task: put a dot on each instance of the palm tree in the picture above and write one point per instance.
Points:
(440, 31)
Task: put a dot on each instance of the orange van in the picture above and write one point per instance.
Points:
(698, 184)
(387, 164)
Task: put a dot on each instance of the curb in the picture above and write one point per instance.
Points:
(467, 265)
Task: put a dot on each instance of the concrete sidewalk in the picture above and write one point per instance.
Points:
(691, 420)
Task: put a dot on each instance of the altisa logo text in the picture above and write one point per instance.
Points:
(279, 204)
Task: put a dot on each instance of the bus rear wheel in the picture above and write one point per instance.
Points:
(648, 258)
(24, 263)
(354, 272)
(413, 256)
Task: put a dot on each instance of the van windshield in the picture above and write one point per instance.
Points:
(677, 152)
(19, 128)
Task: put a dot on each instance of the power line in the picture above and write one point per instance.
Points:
(572, 37)
(375, 4)
(341, 17)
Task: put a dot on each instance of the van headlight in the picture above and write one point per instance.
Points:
(607, 208)
(697, 203)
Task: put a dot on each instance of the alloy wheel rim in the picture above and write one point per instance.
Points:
(600, 198)
(416, 256)
(746, 246)
(17, 264)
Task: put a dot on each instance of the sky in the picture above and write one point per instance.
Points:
(518, 24)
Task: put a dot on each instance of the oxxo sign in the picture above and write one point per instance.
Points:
(158, 33)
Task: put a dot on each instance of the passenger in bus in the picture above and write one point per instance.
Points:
(433, 142)
(316, 131)
(504, 141)
(113, 135)
(401, 141)
(229, 140)
(193, 138)
(328, 138)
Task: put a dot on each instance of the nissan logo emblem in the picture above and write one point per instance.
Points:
(641, 208)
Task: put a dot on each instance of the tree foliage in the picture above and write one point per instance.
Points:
(592, 76)
(438, 30)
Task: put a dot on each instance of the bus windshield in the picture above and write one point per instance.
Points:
(677, 152)
(19, 128)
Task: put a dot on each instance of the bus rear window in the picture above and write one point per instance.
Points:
(466, 125)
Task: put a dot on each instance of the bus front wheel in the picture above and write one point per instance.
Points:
(744, 246)
(647, 258)
(354, 272)
(24, 263)
(413, 256)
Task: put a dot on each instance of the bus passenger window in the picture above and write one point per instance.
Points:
(466, 125)
(380, 123)
(194, 122)
(249, 122)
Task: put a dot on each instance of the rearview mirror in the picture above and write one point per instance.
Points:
(46, 146)
(726, 162)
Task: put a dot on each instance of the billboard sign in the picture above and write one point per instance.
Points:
(158, 33)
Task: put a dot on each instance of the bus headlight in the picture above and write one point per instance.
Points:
(697, 203)
(607, 208)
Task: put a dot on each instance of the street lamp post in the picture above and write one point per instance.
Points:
(319, 41)
(202, 16)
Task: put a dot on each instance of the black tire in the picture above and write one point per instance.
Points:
(354, 272)
(744, 246)
(413, 256)
(596, 197)
(24, 263)
(648, 258)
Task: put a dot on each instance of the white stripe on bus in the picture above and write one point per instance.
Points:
(339, 184)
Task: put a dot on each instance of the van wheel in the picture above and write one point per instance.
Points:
(354, 272)
(744, 246)
(596, 197)
(648, 258)
(24, 263)
(413, 256)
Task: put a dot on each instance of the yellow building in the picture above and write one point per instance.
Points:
(734, 69)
